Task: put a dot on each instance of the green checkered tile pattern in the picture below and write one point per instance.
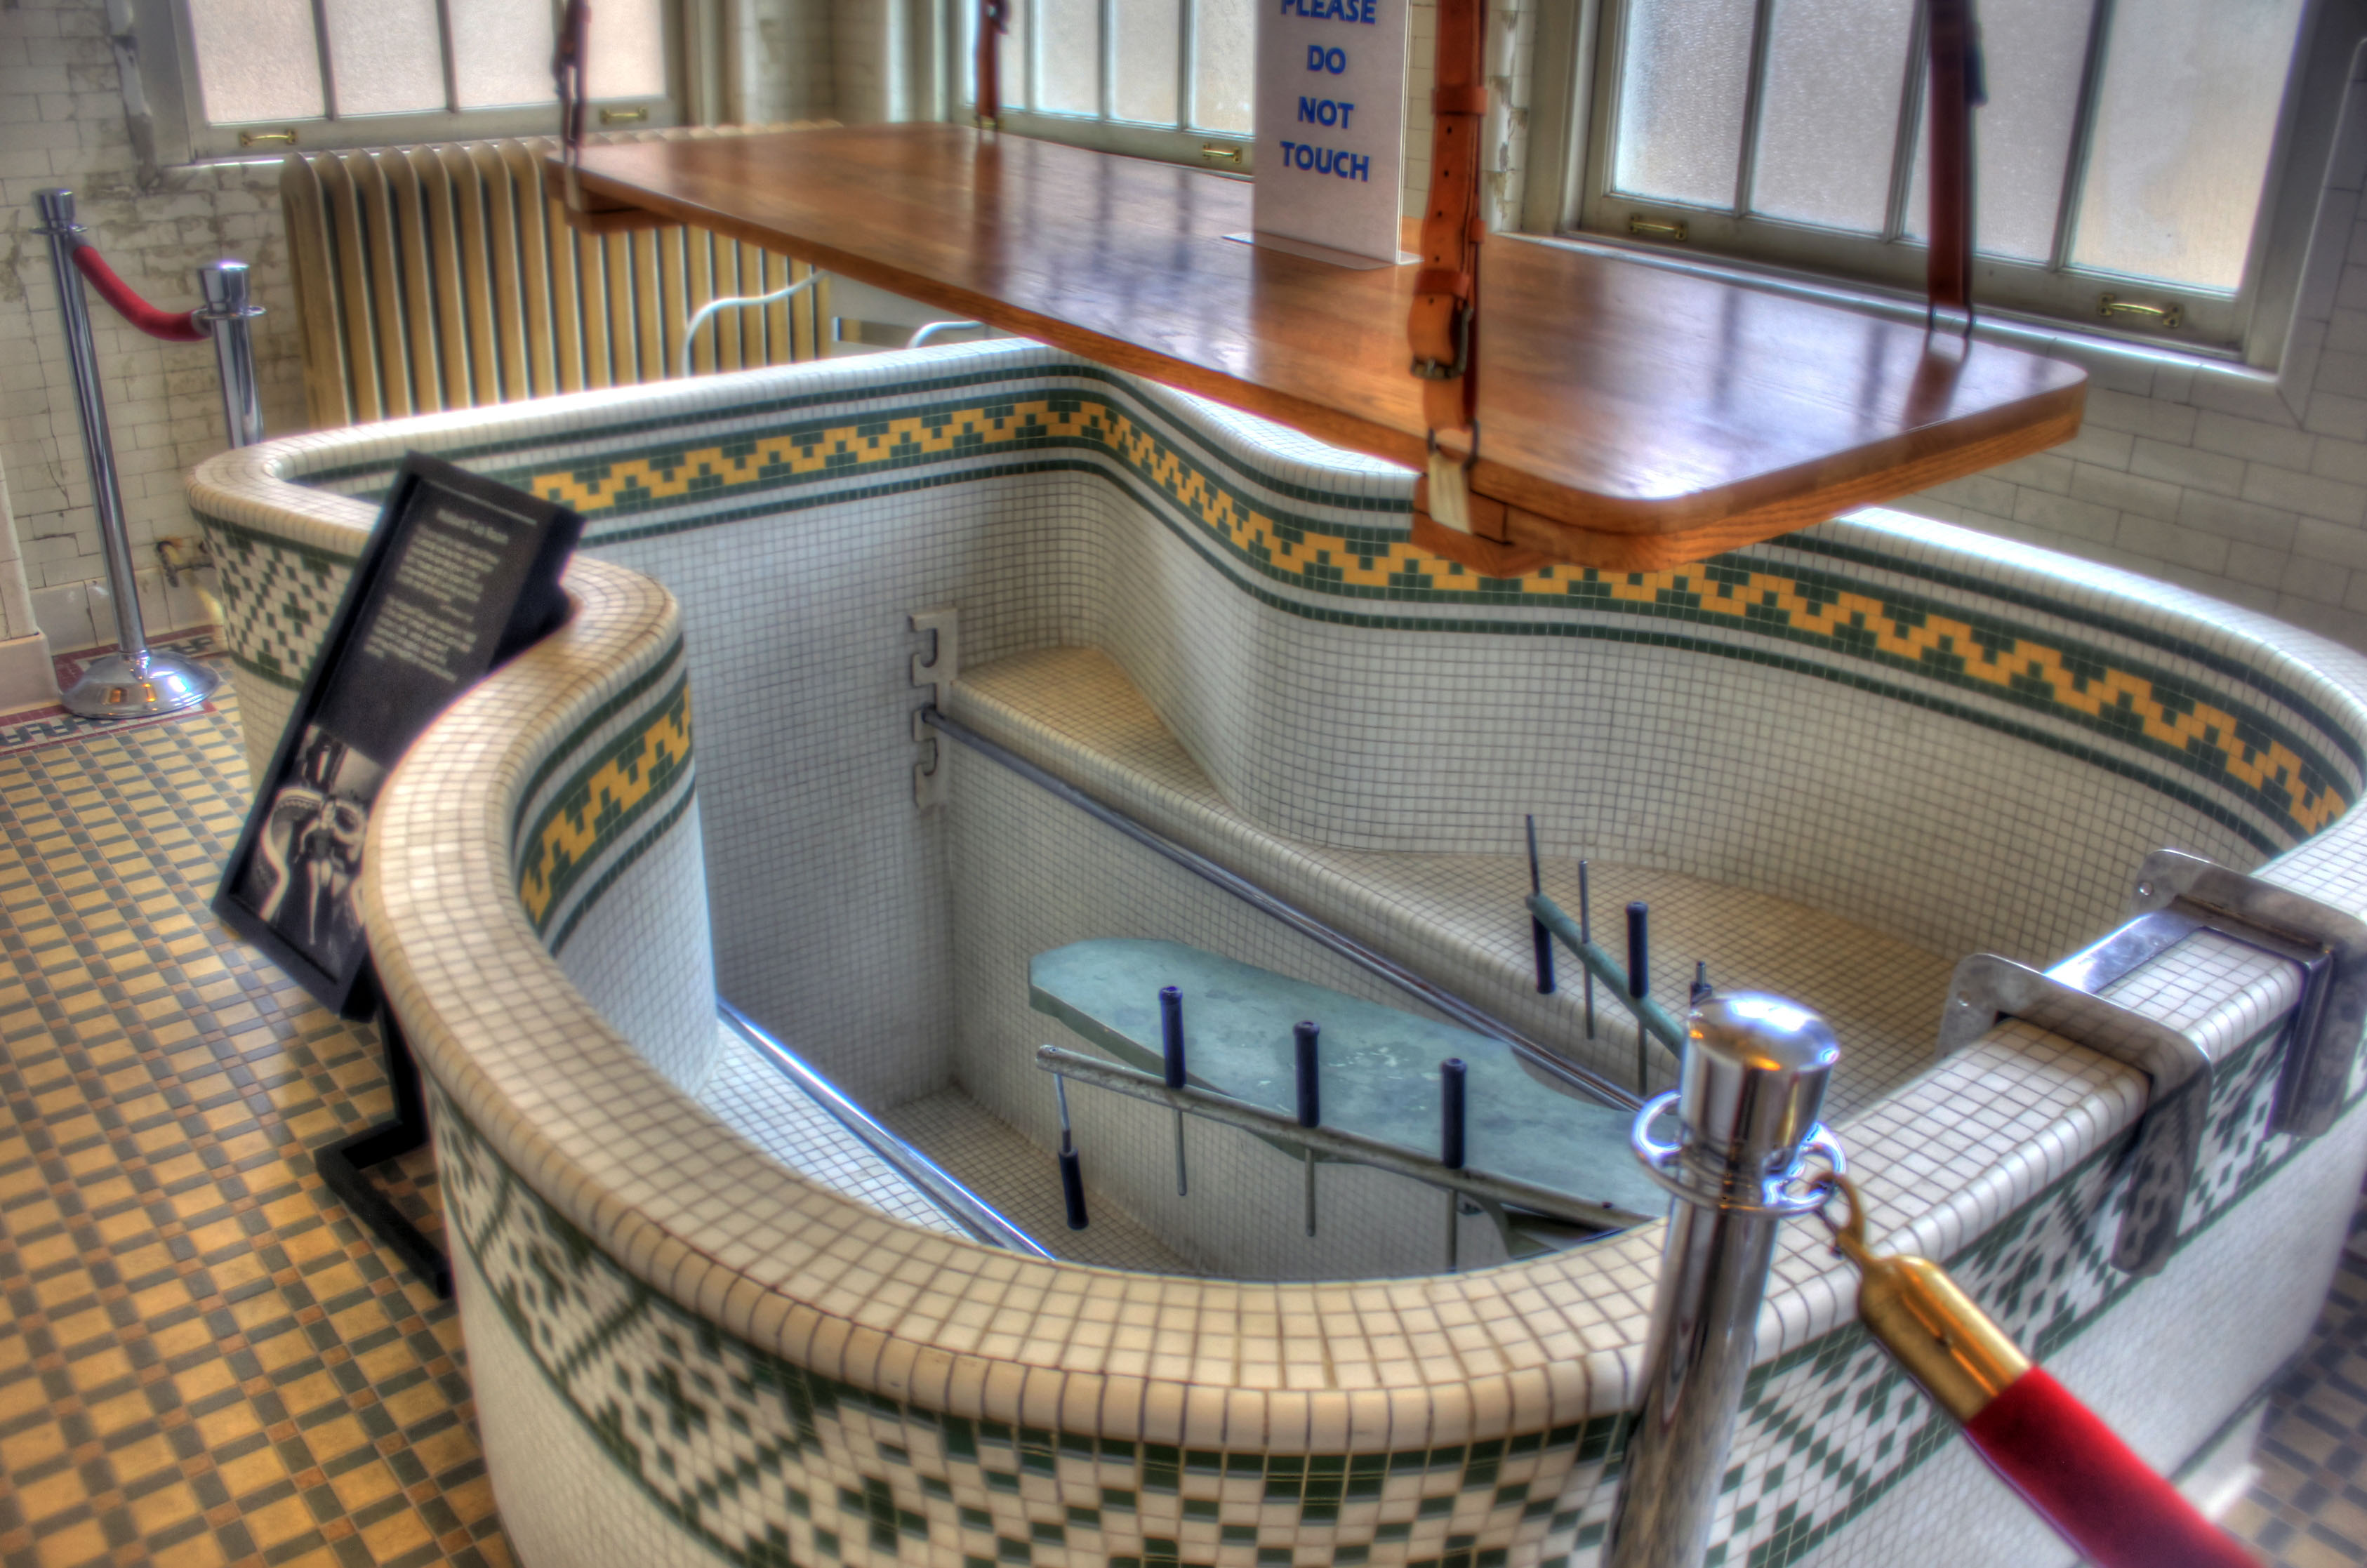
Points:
(278, 599)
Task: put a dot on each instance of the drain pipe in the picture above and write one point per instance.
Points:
(1750, 1081)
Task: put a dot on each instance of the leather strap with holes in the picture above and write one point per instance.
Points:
(994, 21)
(1443, 329)
(1955, 90)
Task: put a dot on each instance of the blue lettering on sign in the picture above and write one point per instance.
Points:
(1365, 11)
(1340, 164)
(1324, 111)
(1318, 58)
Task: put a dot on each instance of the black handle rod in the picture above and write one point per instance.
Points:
(1306, 1036)
(1701, 989)
(1586, 933)
(1171, 1040)
(1540, 939)
(1451, 1073)
(1072, 1170)
(1639, 978)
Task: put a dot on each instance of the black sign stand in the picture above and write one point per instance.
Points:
(459, 574)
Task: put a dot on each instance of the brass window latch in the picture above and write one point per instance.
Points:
(2112, 308)
(1653, 229)
(624, 116)
(1217, 153)
(267, 139)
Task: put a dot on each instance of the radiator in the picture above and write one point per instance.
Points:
(443, 278)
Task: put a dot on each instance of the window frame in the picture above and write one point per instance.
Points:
(1570, 195)
(166, 43)
(1226, 151)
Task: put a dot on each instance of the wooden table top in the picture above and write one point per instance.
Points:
(1631, 415)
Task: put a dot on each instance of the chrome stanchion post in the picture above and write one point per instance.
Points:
(229, 307)
(134, 680)
(1749, 1084)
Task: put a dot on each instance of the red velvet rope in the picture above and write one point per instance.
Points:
(2083, 1480)
(172, 326)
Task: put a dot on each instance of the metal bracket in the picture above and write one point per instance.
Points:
(2170, 1138)
(2324, 1042)
(942, 625)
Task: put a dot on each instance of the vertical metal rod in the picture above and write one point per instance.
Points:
(1171, 1033)
(1701, 989)
(1539, 938)
(1072, 1173)
(1750, 1083)
(229, 309)
(1586, 933)
(133, 681)
(1639, 982)
(1451, 1118)
(1310, 1103)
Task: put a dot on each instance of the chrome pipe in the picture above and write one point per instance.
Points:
(133, 681)
(922, 335)
(228, 309)
(966, 1208)
(1591, 1084)
(1333, 1142)
(700, 317)
(1750, 1081)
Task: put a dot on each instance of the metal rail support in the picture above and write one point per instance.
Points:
(228, 307)
(134, 680)
(1750, 1081)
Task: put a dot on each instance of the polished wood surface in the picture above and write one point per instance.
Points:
(1630, 415)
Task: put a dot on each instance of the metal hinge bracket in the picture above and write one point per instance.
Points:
(942, 625)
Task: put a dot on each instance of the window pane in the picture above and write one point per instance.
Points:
(628, 54)
(257, 60)
(1684, 76)
(1835, 69)
(2033, 50)
(386, 55)
(1222, 69)
(1145, 57)
(1069, 66)
(2191, 94)
(500, 51)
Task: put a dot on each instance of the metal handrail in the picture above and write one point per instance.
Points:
(699, 317)
(966, 1208)
(1462, 1013)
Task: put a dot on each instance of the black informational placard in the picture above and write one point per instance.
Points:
(460, 574)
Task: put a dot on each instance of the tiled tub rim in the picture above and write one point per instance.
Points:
(495, 741)
(445, 922)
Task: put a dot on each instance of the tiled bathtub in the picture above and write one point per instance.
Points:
(1877, 732)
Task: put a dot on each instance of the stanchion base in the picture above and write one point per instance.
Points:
(115, 686)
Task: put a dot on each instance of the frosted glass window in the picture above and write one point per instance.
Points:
(257, 60)
(1684, 77)
(500, 51)
(1146, 55)
(628, 54)
(1222, 66)
(387, 56)
(2034, 50)
(2189, 107)
(1835, 71)
(1068, 58)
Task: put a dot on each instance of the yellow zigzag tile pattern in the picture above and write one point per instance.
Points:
(634, 768)
(1859, 624)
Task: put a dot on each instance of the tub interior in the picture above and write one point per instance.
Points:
(1820, 836)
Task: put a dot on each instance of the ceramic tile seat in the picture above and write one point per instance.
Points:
(1458, 918)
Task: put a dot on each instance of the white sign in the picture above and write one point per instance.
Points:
(1330, 123)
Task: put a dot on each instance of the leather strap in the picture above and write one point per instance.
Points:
(1443, 326)
(994, 21)
(1955, 90)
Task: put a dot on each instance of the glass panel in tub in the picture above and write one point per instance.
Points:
(1379, 1073)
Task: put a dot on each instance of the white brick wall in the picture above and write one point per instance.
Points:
(2254, 492)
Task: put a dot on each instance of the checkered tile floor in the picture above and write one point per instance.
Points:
(205, 1360)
